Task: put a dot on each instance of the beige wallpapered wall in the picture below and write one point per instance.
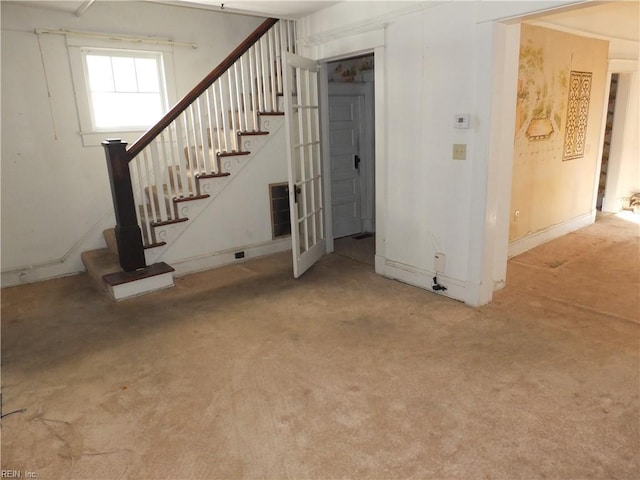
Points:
(561, 86)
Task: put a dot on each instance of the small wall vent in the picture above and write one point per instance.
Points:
(280, 212)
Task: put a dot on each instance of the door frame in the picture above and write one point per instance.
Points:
(367, 147)
(624, 69)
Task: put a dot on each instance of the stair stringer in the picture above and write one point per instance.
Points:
(189, 239)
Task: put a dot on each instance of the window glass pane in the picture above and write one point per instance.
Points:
(113, 110)
(100, 75)
(124, 74)
(147, 72)
(145, 108)
(106, 110)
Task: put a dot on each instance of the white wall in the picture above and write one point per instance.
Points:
(434, 60)
(55, 192)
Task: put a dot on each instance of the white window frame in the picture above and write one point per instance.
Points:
(78, 48)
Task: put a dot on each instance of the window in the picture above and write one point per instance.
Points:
(125, 88)
(120, 92)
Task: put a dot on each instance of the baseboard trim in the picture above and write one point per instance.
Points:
(523, 244)
(227, 257)
(456, 289)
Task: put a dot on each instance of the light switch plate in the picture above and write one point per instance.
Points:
(459, 151)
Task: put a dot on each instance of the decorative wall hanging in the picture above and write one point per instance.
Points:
(577, 115)
(542, 93)
(350, 70)
(539, 129)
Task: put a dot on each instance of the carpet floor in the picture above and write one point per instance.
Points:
(244, 372)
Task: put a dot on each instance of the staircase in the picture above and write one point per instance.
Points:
(178, 167)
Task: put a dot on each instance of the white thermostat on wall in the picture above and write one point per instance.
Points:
(461, 120)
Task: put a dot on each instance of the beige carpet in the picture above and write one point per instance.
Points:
(243, 372)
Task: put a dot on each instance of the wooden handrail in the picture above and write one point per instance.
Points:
(137, 146)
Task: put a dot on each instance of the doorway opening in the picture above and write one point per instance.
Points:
(606, 147)
(351, 151)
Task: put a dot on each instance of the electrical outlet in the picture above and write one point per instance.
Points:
(459, 151)
(439, 262)
(516, 215)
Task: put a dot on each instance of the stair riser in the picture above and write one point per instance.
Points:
(141, 287)
(110, 238)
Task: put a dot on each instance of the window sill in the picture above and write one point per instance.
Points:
(95, 139)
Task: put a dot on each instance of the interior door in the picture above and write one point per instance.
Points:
(304, 161)
(345, 155)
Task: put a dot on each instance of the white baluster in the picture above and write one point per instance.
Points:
(147, 170)
(204, 139)
(263, 53)
(217, 116)
(224, 117)
(294, 36)
(272, 77)
(157, 177)
(194, 151)
(187, 140)
(140, 200)
(253, 76)
(165, 162)
(241, 128)
(184, 168)
(255, 79)
(264, 60)
(233, 133)
(211, 141)
(279, 47)
(289, 49)
(175, 161)
(245, 100)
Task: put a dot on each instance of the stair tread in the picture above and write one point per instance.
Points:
(169, 222)
(104, 267)
(230, 154)
(212, 175)
(246, 133)
(100, 262)
(119, 278)
(189, 199)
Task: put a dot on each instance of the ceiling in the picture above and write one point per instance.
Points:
(288, 9)
(285, 9)
(616, 19)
